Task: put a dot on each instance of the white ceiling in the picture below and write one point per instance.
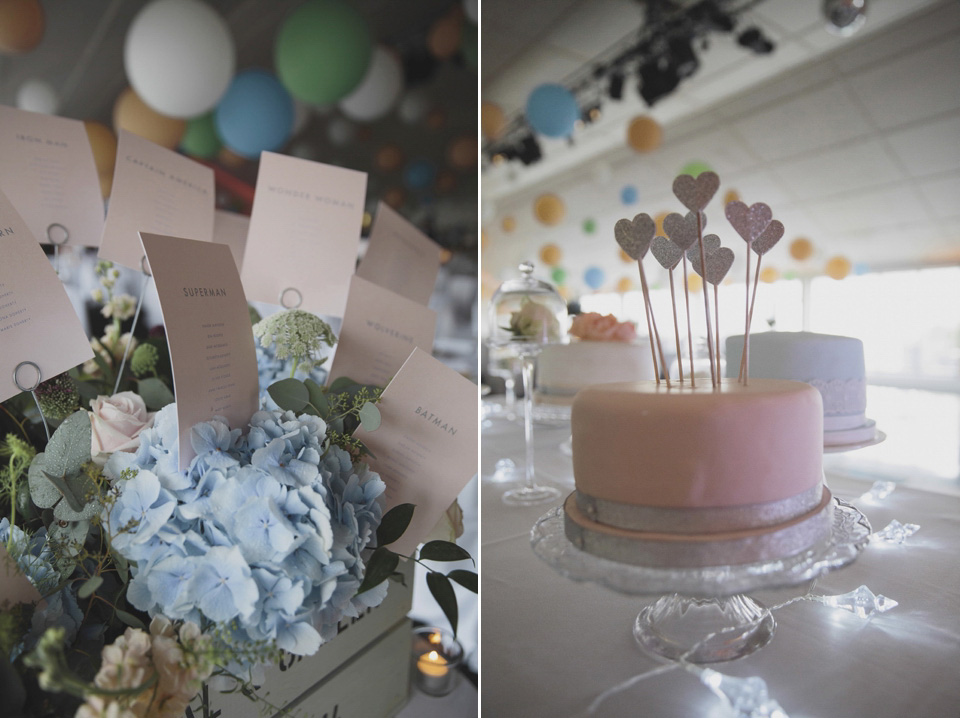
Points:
(854, 143)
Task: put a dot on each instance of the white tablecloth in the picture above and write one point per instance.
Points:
(550, 646)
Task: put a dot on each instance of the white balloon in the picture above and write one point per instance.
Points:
(38, 96)
(339, 131)
(179, 57)
(378, 91)
(470, 7)
(414, 106)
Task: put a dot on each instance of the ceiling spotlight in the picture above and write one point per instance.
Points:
(657, 80)
(754, 39)
(682, 57)
(529, 150)
(844, 17)
(615, 88)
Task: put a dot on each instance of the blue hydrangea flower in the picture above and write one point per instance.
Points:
(141, 510)
(222, 585)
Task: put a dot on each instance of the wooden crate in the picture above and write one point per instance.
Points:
(336, 662)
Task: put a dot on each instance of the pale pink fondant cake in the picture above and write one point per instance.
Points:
(686, 476)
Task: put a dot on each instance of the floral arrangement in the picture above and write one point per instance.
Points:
(592, 326)
(534, 321)
(156, 580)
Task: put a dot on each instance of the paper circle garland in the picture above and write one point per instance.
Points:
(624, 285)
(509, 224)
(731, 195)
(801, 248)
(322, 51)
(492, 120)
(769, 275)
(38, 96)
(389, 158)
(179, 57)
(255, 115)
(201, 139)
(103, 144)
(838, 267)
(550, 254)
(395, 197)
(628, 195)
(695, 169)
(130, 113)
(626, 258)
(419, 174)
(549, 209)
(644, 134)
(552, 110)
(445, 35)
(22, 24)
(694, 283)
(593, 277)
(658, 220)
(463, 152)
(558, 275)
(379, 90)
(589, 226)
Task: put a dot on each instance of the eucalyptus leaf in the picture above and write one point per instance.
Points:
(342, 384)
(290, 394)
(317, 397)
(380, 566)
(443, 593)
(443, 551)
(130, 620)
(89, 587)
(42, 492)
(155, 393)
(69, 447)
(369, 416)
(394, 523)
(467, 579)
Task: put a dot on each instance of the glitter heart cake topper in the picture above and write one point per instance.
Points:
(634, 236)
(749, 221)
(696, 192)
(718, 264)
(768, 238)
(682, 229)
(711, 243)
(666, 252)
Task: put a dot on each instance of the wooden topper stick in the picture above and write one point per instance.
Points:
(686, 299)
(753, 301)
(647, 312)
(706, 301)
(653, 320)
(716, 314)
(746, 322)
(676, 326)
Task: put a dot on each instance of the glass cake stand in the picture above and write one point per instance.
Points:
(703, 615)
(878, 438)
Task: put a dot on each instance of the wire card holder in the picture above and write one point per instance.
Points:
(57, 235)
(32, 389)
(136, 315)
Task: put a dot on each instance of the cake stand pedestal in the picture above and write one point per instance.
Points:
(703, 615)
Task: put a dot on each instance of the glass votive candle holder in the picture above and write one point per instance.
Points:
(435, 656)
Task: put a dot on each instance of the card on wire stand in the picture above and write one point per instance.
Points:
(49, 175)
(158, 191)
(400, 257)
(304, 234)
(208, 330)
(230, 228)
(37, 321)
(426, 444)
(379, 331)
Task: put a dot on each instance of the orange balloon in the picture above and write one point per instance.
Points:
(492, 120)
(644, 134)
(389, 158)
(509, 224)
(769, 275)
(436, 118)
(395, 197)
(801, 248)
(694, 283)
(229, 159)
(462, 153)
(659, 221)
(838, 267)
(22, 24)
(625, 285)
(446, 181)
(731, 196)
(443, 38)
(130, 113)
(624, 257)
(550, 254)
(103, 144)
(549, 209)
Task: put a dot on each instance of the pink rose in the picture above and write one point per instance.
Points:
(116, 422)
(602, 328)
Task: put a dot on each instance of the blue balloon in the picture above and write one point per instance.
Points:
(419, 174)
(860, 268)
(628, 195)
(594, 277)
(552, 110)
(255, 114)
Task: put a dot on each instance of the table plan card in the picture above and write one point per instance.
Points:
(400, 257)
(208, 330)
(37, 321)
(49, 175)
(158, 191)
(230, 228)
(379, 331)
(426, 444)
(304, 234)
(14, 586)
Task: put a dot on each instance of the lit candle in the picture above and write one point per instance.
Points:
(432, 664)
(435, 661)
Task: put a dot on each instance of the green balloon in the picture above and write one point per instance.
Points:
(468, 45)
(322, 51)
(558, 275)
(695, 169)
(589, 226)
(201, 138)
